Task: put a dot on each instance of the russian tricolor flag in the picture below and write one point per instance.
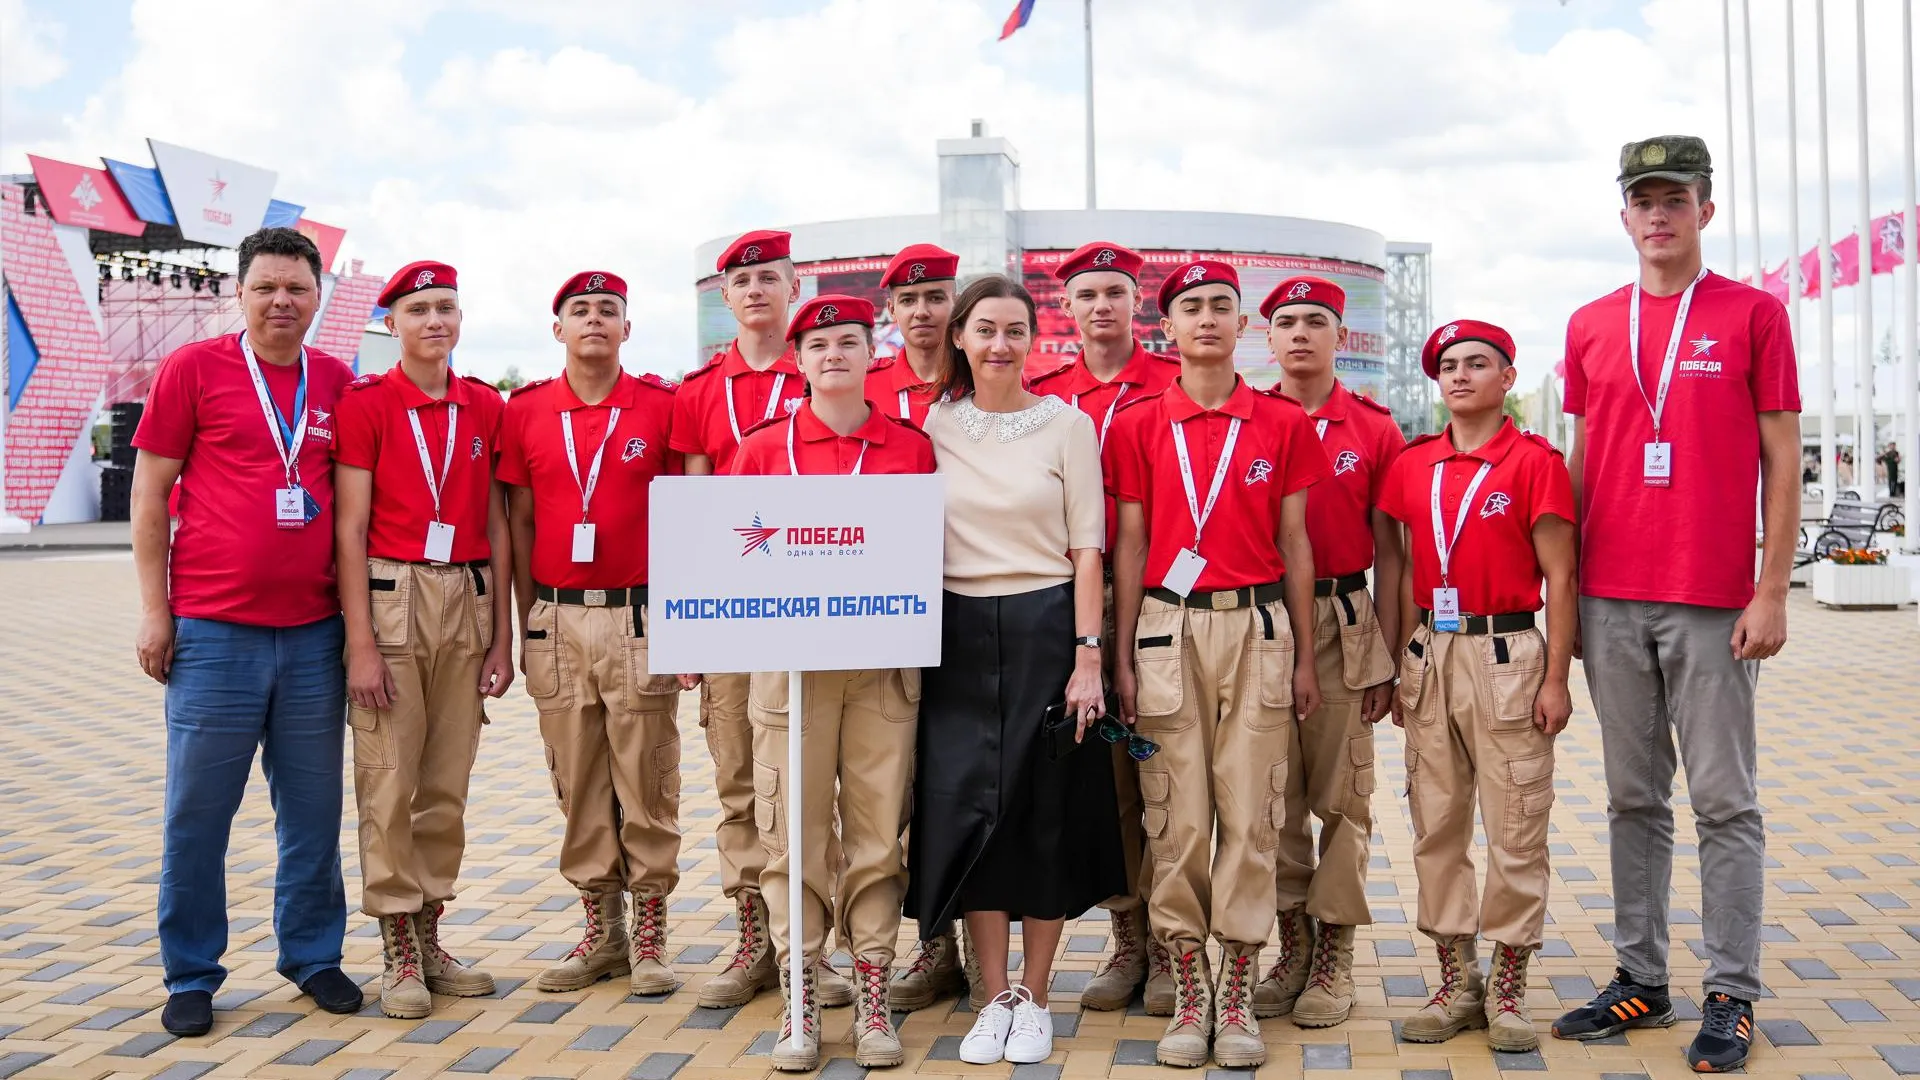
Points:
(1022, 11)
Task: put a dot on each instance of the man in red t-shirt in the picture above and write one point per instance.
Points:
(240, 620)
(422, 549)
(1212, 585)
(1331, 758)
(1686, 401)
(578, 453)
(1100, 291)
(919, 283)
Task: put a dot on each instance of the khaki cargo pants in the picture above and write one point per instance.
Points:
(1332, 768)
(433, 625)
(857, 747)
(1468, 701)
(1216, 692)
(613, 747)
(723, 716)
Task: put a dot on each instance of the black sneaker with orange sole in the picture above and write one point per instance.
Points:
(1623, 1004)
(1726, 1035)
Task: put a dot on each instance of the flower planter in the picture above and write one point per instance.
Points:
(1860, 588)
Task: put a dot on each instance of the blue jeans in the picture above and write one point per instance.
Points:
(232, 688)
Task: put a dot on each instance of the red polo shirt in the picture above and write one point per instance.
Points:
(1361, 440)
(229, 560)
(1493, 563)
(533, 454)
(884, 444)
(1274, 456)
(375, 435)
(1693, 541)
(701, 423)
(1146, 374)
(892, 385)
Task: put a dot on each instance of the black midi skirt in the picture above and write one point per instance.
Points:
(997, 825)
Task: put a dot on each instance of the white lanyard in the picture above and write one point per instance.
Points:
(1441, 545)
(289, 455)
(793, 466)
(905, 413)
(1658, 405)
(446, 466)
(1201, 514)
(1107, 421)
(573, 461)
(773, 402)
(1320, 429)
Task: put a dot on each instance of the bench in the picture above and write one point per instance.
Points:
(1851, 524)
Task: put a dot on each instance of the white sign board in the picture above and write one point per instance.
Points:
(215, 200)
(794, 573)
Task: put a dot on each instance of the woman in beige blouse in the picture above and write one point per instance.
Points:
(1006, 824)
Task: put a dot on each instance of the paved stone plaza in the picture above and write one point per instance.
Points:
(81, 779)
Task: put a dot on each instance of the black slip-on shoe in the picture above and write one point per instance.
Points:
(333, 991)
(189, 1013)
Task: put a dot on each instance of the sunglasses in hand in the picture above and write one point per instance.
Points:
(1139, 747)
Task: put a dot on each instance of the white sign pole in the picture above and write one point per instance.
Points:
(796, 857)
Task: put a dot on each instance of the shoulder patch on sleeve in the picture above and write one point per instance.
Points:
(1541, 441)
(1372, 404)
(659, 382)
(518, 390)
(364, 381)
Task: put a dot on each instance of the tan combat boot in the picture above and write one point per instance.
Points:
(1509, 1024)
(602, 952)
(649, 971)
(933, 973)
(445, 974)
(805, 1057)
(1184, 1044)
(1328, 998)
(1125, 966)
(1236, 1034)
(403, 994)
(977, 995)
(876, 1044)
(752, 969)
(1159, 994)
(1288, 976)
(835, 990)
(1458, 1005)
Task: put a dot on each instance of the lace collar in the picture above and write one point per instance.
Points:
(1005, 426)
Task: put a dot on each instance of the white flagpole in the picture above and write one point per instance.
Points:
(1753, 144)
(1909, 347)
(1863, 433)
(796, 858)
(1733, 231)
(1793, 194)
(1829, 441)
(1092, 202)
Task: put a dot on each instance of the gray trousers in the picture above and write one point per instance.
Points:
(1656, 670)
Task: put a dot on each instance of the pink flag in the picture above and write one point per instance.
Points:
(1889, 243)
(1810, 272)
(1775, 282)
(1846, 261)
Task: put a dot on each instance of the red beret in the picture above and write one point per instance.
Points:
(1194, 274)
(830, 309)
(415, 276)
(1306, 290)
(758, 246)
(590, 281)
(1463, 330)
(920, 262)
(1100, 255)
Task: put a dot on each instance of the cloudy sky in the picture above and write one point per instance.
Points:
(524, 141)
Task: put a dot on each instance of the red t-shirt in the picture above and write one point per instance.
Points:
(1361, 440)
(701, 422)
(1274, 456)
(374, 435)
(884, 444)
(893, 386)
(1493, 563)
(1146, 374)
(229, 560)
(533, 454)
(1691, 542)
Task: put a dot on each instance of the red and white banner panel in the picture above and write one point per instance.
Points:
(86, 197)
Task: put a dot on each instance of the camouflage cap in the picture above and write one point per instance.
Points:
(1680, 158)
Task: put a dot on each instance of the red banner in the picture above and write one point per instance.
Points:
(86, 197)
(1889, 243)
(1846, 261)
(325, 237)
(1810, 272)
(1775, 282)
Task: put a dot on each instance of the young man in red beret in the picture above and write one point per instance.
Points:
(579, 453)
(1213, 584)
(422, 550)
(919, 283)
(1100, 291)
(858, 750)
(1332, 753)
(1489, 512)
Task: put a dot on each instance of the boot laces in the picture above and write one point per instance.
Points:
(649, 930)
(1507, 989)
(1722, 1016)
(1289, 927)
(1233, 995)
(406, 960)
(1187, 973)
(873, 997)
(430, 928)
(1451, 976)
(1325, 950)
(591, 939)
(806, 1008)
(750, 936)
(1159, 960)
(1126, 946)
(926, 955)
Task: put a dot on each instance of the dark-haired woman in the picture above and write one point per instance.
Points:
(1005, 826)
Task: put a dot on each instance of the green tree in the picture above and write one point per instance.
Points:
(512, 380)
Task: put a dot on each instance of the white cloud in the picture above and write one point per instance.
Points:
(30, 47)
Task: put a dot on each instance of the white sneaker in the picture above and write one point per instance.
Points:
(987, 1042)
(1031, 1039)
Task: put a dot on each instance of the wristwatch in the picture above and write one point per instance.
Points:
(1091, 641)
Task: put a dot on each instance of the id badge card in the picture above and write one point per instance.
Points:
(439, 542)
(290, 507)
(1184, 572)
(1658, 464)
(583, 542)
(1446, 611)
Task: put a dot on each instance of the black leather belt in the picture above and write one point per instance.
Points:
(631, 597)
(1487, 624)
(1339, 586)
(1222, 600)
(471, 566)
